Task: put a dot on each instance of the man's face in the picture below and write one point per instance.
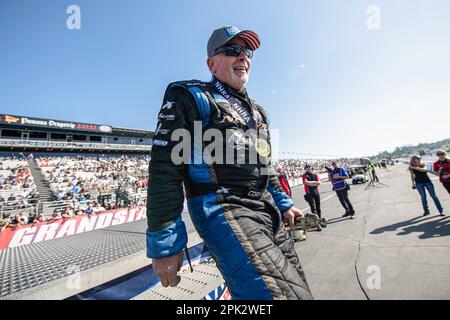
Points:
(233, 71)
(334, 165)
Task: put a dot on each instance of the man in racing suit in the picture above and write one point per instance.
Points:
(236, 206)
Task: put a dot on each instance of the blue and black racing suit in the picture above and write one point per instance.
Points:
(235, 206)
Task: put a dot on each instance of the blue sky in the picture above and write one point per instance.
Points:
(331, 85)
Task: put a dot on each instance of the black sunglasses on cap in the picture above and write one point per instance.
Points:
(234, 50)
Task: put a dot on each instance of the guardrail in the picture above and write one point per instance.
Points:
(71, 145)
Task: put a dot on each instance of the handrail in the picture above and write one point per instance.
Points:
(68, 145)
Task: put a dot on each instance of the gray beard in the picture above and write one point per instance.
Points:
(242, 80)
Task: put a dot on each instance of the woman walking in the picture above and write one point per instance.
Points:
(421, 181)
(442, 168)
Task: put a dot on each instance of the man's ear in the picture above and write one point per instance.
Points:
(210, 63)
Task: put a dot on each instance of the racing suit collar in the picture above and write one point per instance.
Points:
(237, 93)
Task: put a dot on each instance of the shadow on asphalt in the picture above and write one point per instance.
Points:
(429, 227)
(338, 219)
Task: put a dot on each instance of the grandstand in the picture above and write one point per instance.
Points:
(97, 154)
(19, 133)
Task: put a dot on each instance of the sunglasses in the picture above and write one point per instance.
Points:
(234, 50)
(440, 154)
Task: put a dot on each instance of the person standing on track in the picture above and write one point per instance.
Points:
(311, 183)
(284, 182)
(340, 186)
(421, 182)
(373, 173)
(442, 168)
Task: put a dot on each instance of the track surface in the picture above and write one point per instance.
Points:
(389, 237)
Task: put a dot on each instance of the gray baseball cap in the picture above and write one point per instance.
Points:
(221, 36)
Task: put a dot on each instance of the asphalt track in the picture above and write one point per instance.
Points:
(389, 251)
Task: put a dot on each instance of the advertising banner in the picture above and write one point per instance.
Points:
(48, 123)
(54, 229)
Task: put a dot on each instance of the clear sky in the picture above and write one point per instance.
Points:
(331, 85)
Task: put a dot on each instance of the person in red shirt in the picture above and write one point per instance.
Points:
(311, 183)
(284, 182)
(442, 168)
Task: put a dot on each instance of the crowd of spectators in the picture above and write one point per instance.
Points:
(17, 187)
(295, 168)
(84, 179)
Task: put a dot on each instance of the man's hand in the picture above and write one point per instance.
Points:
(166, 269)
(292, 214)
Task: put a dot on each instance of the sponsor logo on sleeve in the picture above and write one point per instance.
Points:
(168, 105)
(160, 143)
(168, 117)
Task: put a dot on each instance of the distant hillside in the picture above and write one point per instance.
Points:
(422, 149)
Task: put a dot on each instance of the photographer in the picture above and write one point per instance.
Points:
(311, 183)
(421, 181)
(337, 176)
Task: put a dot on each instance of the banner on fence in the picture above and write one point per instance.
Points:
(54, 229)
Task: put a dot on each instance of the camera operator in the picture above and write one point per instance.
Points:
(337, 176)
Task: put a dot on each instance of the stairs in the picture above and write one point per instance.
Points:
(193, 286)
(42, 185)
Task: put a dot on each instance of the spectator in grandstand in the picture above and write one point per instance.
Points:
(78, 211)
(18, 220)
(56, 214)
(107, 205)
(338, 176)
(4, 223)
(98, 208)
(311, 183)
(421, 182)
(284, 182)
(67, 213)
(41, 218)
(121, 204)
(89, 210)
(442, 168)
(234, 206)
(31, 217)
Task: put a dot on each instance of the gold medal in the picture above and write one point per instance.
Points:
(262, 147)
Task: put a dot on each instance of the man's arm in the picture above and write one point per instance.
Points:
(412, 179)
(282, 200)
(421, 169)
(343, 175)
(311, 183)
(436, 166)
(166, 234)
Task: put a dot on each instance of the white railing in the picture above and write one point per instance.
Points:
(71, 145)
